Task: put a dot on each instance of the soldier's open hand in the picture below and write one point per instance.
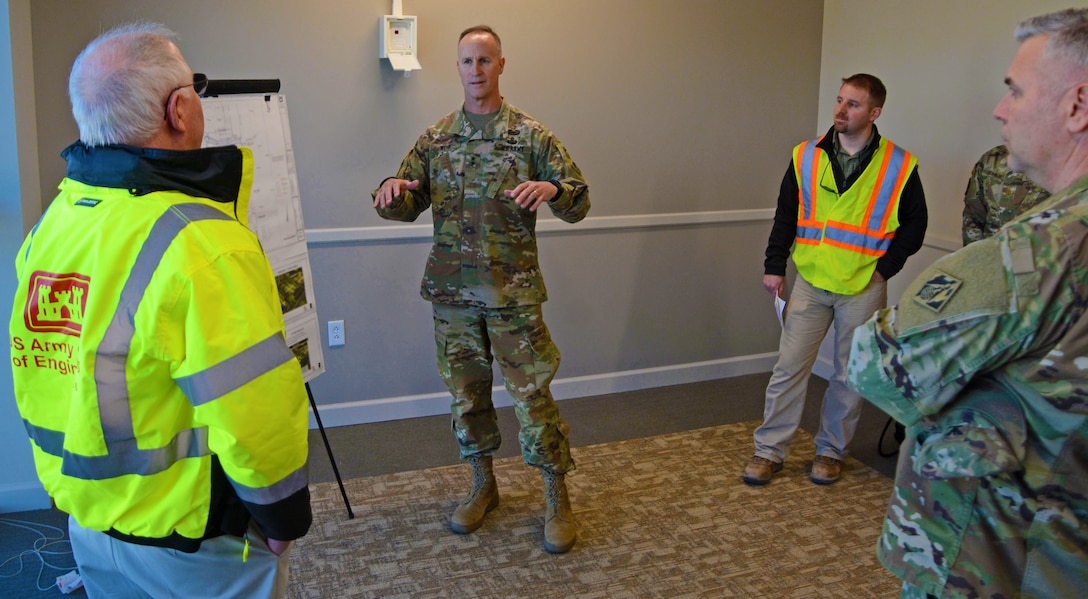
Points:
(391, 189)
(531, 194)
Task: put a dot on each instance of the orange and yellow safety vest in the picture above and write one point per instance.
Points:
(840, 236)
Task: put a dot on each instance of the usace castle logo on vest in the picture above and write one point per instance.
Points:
(55, 303)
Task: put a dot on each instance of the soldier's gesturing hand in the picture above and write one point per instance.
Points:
(391, 190)
(531, 194)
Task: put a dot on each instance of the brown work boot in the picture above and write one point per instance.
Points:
(758, 472)
(559, 532)
(825, 470)
(483, 497)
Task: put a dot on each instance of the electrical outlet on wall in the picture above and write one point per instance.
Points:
(336, 333)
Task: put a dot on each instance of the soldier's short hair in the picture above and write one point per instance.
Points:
(1050, 22)
(482, 29)
(871, 84)
(1068, 30)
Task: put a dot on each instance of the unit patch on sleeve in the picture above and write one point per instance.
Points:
(937, 291)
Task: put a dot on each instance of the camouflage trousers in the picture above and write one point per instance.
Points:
(468, 339)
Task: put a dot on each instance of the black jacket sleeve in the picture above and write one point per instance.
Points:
(784, 230)
(913, 220)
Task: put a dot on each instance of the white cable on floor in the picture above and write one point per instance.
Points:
(41, 549)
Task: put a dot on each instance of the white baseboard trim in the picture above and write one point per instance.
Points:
(23, 497)
(431, 404)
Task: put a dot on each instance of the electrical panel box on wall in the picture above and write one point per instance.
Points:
(397, 42)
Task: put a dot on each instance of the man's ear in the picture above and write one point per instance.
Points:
(184, 125)
(874, 113)
(1077, 115)
(176, 113)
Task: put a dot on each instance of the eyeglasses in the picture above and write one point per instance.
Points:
(833, 189)
(200, 85)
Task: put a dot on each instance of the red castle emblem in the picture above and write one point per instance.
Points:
(55, 303)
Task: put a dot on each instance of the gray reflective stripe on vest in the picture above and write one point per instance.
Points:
(230, 374)
(269, 495)
(49, 441)
(806, 172)
(122, 455)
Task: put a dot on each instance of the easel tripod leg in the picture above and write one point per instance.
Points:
(332, 460)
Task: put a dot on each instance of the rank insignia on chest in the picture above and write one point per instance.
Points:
(937, 291)
(512, 141)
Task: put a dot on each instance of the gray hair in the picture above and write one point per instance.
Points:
(119, 83)
(1068, 30)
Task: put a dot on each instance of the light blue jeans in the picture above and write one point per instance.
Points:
(810, 313)
(117, 569)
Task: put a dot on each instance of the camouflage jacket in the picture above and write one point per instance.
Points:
(995, 195)
(986, 361)
(484, 251)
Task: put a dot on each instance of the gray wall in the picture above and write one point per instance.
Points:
(650, 101)
(19, 208)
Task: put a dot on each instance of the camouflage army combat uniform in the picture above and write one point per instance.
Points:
(995, 195)
(986, 361)
(483, 277)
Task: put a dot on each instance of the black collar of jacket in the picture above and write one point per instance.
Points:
(827, 144)
(212, 173)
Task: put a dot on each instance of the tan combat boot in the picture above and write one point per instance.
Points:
(559, 532)
(483, 497)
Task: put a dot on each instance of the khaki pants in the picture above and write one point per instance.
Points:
(810, 315)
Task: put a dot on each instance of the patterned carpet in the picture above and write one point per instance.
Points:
(664, 516)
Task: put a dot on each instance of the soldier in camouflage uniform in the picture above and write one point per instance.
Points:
(986, 362)
(995, 195)
(484, 170)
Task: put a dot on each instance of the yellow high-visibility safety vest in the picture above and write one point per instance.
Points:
(146, 337)
(840, 236)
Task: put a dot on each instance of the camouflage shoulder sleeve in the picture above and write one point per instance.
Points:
(556, 164)
(982, 433)
(572, 205)
(955, 320)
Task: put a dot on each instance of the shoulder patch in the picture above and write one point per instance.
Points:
(969, 283)
(935, 293)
